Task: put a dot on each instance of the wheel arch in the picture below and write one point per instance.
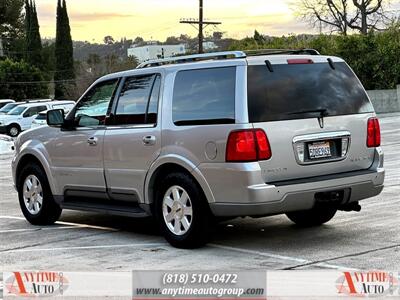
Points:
(28, 158)
(174, 164)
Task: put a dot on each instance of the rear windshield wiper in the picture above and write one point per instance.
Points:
(322, 112)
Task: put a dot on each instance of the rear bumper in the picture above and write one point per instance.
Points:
(262, 199)
(273, 199)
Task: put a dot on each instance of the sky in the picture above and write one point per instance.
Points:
(92, 20)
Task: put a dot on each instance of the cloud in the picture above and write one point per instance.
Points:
(84, 17)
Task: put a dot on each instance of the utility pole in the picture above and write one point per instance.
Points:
(201, 24)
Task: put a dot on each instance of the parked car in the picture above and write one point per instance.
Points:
(41, 118)
(194, 139)
(4, 102)
(8, 107)
(20, 117)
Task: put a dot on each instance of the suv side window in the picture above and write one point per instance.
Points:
(204, 96)
(33, 111)
(138, 102)
(93, 108)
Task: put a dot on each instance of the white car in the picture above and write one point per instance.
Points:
(41, 119)
(20, 118)
(4, 102)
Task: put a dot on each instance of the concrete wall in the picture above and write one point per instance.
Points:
(386, 101)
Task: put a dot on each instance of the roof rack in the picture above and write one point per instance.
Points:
(281, 51)
(192, 58)
(35, 101)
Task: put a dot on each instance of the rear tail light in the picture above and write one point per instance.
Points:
(373, 133)
(247, 146)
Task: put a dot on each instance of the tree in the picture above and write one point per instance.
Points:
(108, 40)
(172, 40)
(217, 35)
(19, 80)
(342, 15)
(33, 40)
(371, 14)
(64, 74)
(12, 26)
(138, 41)
(259, 38)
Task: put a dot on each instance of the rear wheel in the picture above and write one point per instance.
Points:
(313, 217)
(35, 197)
(182, 212)
(13, 130)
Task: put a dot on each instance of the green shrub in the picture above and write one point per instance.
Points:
(375, 57)
(19, 80)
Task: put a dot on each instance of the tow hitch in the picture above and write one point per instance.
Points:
(354, 206)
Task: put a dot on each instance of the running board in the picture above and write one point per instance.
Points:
(111, 207)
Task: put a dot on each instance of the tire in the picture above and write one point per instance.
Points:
(313, 217)
(13, 130)
(191, 213)
(46, 213)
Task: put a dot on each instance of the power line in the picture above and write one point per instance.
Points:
(201, 24)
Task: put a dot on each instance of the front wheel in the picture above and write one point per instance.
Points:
(13, 130)
(35, 197)
(182, 212)
(313, 217)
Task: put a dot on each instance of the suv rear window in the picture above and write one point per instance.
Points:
(204, 96)
(296, 91)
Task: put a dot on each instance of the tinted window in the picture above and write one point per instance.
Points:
(291, 90)
(41, 117)
(138, 96)
(17, 110)
(151, 117)
(33, 111)
(8, 107)
(204, 96)
(93, 107)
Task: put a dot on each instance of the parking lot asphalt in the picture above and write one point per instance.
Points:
(83, 241)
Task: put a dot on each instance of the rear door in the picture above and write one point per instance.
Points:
(315, 116)
(133, 139)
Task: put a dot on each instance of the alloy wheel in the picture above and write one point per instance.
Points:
(177, 210)
(33, 194)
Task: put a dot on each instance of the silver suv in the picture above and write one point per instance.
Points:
(197, 139)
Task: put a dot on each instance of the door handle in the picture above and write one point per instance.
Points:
(149, 140)
(93, 141)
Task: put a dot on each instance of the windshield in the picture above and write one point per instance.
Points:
(8, 107)
(297, 91)
(17, 111)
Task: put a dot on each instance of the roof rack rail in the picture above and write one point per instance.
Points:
(36, 100)
(281, 51)
(192, 58)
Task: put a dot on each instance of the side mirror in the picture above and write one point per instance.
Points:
(55, 118)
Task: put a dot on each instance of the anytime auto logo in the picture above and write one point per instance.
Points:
(35, 284)
(368, 284)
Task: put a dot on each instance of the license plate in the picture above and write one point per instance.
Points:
(319, 150)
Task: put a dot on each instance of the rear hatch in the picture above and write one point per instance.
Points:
(315, 114)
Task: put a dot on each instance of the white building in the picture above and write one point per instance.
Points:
(208, 46)
(150, 52)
